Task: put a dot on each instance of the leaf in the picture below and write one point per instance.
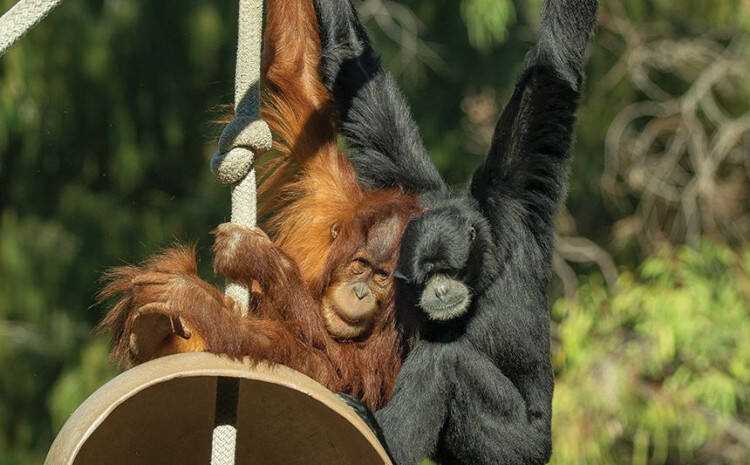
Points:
(487, 21)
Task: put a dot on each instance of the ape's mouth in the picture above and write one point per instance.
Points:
(348, 317)
(339, 325)
(445, 298)
(444, 311)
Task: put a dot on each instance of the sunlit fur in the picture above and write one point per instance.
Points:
(307, 186)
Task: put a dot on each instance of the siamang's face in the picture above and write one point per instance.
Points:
(361, 287)
(444, 255)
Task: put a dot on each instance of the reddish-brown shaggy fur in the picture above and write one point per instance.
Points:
(307, 188)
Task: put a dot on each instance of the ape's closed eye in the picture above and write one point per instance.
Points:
(360, 265)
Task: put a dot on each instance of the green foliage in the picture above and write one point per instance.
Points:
(487, 21)
(35, 329)
(659, 372)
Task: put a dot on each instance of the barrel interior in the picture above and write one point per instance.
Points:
(172, 423)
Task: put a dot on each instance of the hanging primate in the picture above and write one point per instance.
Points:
(323, 288)
(476, 386)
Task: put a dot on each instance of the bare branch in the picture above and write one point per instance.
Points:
(671, 149)
(399, 23)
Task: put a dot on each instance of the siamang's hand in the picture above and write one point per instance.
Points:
(343, 41)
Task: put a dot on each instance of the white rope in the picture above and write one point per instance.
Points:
(24, 15)
(224, 436)
(223, 444)
(245, 135)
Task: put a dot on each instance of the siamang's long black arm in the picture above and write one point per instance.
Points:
(413, 419)
(494, 413)
(383, 141)
(525, 171)
(453, 400)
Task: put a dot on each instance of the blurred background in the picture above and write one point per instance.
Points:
(106, 128)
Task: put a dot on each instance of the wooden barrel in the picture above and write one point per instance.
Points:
(162, 412)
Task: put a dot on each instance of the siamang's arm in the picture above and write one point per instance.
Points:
(383, 141)
(413, 419)
(508, 423)
(524, 175)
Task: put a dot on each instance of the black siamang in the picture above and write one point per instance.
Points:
(476, 386)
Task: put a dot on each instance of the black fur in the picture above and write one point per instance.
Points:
(477, 389)
(383, 140)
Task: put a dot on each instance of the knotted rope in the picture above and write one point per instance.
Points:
(24, 15)
(246, 134)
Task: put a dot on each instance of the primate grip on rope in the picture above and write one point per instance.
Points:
(323, 302)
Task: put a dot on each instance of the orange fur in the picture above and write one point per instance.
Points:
(309, 185)
(306, 187)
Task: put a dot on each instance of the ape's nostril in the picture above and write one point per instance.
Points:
(360, 290)
(441, 291)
